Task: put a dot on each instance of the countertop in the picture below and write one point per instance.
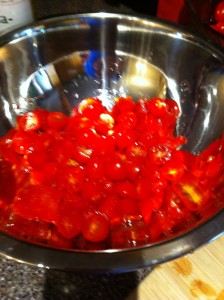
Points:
(196, 276)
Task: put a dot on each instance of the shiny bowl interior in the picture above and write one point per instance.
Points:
(45, 65)
(201, 14)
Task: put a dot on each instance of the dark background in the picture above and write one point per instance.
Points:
(45, 8)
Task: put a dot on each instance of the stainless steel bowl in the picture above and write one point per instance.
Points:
(48, 65)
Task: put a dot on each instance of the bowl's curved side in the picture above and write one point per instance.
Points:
(113, 260)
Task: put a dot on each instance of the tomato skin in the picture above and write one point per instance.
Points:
(219, 12)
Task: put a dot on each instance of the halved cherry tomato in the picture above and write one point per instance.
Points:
(191, 192)
(57, 120)
(96, 227)
(31, 121)
(157, 107)
(70, 220)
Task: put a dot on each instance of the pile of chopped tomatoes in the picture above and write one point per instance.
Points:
(104, 178)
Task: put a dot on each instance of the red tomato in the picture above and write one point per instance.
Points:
(122, 104)
(37, 202)
(70, 177)
(109, 206)
(127, 208)
(31, 121)
(123, 137)
(219, 27)
(125, 189)
(7, 151)
(91, 191)
(104, 123)
(90, 108)
(37, 158)
(70, 220)
(150, 204)
(115, 169)
(161, 225)
(159, 155)
(157, 107)
(60, 241)
(219, 12)
(130, 233)
(44, 175)
(127, 119)
(95, 168)
(133, 169)
(57, 120)
(191, 192)
(136, 151)
(173, 170)
(21, 141)
(96, 227)
(79, 153)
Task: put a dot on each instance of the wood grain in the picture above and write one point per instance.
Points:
(199, 275)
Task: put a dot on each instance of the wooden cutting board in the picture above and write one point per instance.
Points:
(199, 275)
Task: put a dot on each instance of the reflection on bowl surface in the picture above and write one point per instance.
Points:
(53, 66)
